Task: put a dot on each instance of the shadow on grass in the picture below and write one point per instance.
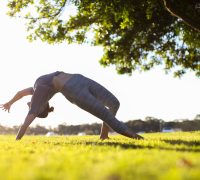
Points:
(189, 145)
(182, 142)
(171, 145)
(117, 144)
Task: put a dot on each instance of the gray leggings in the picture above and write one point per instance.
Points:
(95, 99)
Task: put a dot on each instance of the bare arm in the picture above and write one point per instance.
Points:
(18, 95)
(29, 119)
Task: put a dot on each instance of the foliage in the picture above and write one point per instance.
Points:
(159, 156)
(136, 35)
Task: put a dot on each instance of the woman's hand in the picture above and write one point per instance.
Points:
(25, 125)
(6, 106)
(18, 95)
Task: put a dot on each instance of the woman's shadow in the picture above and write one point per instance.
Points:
(190, 146)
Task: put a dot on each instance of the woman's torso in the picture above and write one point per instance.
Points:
(45, 88)
(54, 81)
(60, 80)
(47, 80)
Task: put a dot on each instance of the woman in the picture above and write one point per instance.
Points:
(82, 91)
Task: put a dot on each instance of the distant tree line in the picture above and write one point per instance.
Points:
(149, 124)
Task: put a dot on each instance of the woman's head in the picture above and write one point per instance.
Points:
(46, 111)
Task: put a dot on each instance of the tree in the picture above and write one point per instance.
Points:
(197, 117)
(153, 124)
(137, 125)
(136, 35)
(38, 130)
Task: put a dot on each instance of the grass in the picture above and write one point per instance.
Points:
(170, 156)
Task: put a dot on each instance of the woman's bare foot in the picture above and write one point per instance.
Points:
(136, 136)
(104, 137)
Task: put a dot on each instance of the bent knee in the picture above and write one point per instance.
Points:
(117, 104)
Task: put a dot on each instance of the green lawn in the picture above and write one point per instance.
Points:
(170, 156)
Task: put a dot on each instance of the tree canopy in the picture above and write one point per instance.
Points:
(136, 34)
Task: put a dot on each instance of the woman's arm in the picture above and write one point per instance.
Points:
(18, 95)
(29, 119)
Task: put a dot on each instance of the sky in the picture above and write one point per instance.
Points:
(152, 93)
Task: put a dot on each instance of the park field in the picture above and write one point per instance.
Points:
(170, 156)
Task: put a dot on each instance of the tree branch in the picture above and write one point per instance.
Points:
(177, 13)
(44, 17)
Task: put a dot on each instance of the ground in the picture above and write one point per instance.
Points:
(170, 156)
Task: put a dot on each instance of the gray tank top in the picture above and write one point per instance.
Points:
(43, 92)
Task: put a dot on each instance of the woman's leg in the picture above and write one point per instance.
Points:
(113, 108)
(86, 101)
(112, 103)
(107, 99)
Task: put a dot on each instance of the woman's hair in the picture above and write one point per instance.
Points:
(45, 113)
